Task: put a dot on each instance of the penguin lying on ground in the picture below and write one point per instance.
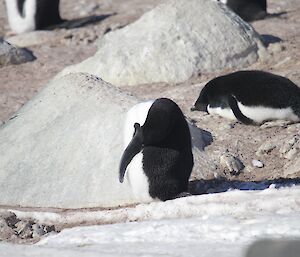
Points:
(29, 15)
(248, 10)
(251, 97)
(158, 155)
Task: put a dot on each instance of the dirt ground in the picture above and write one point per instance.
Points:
(275, 145)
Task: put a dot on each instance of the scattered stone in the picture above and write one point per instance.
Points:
(293, 170)
(276, 48)
(231, 163)
(38, 230)
(24, 229)
(38, 37)
(10, 54)
(275, 123)
(49, 229)
(6, 232)
(257, 164)
(174, 42)
(291, 148)
(265, 148)
(10, 218)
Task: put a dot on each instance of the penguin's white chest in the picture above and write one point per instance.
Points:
(224, 112)
(258, 114)
(138, 180)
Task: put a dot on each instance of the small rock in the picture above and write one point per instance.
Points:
(6, 232)
(10, 54)
(265, 148)
(291, 148)
(24, 229)
(231, 163)
(37, 230)
(276, 48)
(257, 163)
(275, 123)
(49, 229)
(293, 170)
(10, 218)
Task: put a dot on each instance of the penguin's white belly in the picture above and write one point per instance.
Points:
(260, 114)
(138, 180)
(224, 112)
(18, 23)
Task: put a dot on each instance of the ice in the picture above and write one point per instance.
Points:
(222, 224)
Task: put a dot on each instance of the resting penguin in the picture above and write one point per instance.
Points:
(248, 10)
(158, 155)
(29, 15)
(251, 97)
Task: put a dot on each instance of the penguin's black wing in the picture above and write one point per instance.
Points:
(134, 147)
(237, 112)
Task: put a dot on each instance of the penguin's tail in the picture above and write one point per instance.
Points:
(133, 148)
(237, 112)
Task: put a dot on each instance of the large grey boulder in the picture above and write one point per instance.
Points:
(173, 42)
(10, 54)
(63, 148)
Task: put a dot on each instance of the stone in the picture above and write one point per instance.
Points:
(265, 148)
(257, 164)
(6, 232)
(291, 148)
(10, 54)
(39, 37)
(274, 248)
(293, 169)
(63, 147)
(231, 163)
(10, 218)
(173, 42)
(37, 230)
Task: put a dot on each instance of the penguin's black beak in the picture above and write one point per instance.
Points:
(199, 107)
(133, 148)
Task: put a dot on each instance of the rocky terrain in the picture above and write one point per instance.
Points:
(239, 153)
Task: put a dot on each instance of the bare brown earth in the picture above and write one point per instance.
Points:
(276, 145)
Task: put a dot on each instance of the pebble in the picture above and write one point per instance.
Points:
(291, 148)
(231, 163)
(265, 148)
(257, 163)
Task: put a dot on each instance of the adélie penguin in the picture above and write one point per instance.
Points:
(158, 156)
(251, 97)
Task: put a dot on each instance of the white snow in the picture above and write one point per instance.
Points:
(222, 224)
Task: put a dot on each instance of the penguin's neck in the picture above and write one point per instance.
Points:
(24, 21)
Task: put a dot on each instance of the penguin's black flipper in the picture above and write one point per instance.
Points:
(134, 147)
(237, 112)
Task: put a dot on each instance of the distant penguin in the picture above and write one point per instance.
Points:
(251, 97)
(248, 10)
(158, 155)
(29, 15)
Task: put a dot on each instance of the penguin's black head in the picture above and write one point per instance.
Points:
(160, 122)
(202, 101)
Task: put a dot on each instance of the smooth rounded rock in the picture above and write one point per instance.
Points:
(173, 42)
(63, 148)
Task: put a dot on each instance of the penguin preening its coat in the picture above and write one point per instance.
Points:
(248, 10)
(158, 155)
(251, 97)
(29, 15)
